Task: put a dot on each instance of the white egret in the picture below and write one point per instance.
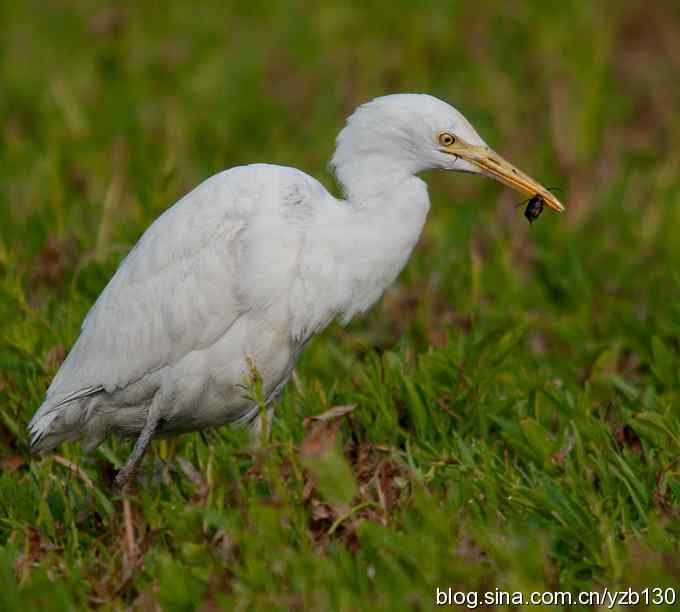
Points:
(245, 269)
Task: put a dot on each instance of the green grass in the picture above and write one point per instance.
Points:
(517, 392)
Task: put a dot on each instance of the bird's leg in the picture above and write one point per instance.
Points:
(129, 469)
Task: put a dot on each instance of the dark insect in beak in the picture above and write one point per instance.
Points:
(534, 208)
(535, 205)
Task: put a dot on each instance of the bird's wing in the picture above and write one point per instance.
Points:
(178, 290)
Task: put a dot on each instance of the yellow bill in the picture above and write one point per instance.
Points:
(494, 166)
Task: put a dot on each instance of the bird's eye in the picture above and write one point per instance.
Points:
(446, 139)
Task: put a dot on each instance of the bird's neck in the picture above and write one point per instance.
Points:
(370, 179)
(388, 217)
(355, 249)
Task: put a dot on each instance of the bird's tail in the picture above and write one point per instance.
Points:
(41, 437)
(56, 420)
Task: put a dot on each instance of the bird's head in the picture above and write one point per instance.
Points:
(409, 133)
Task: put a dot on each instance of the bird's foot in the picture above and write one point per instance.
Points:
(124, 476)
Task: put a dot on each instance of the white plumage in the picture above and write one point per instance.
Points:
(245, 269)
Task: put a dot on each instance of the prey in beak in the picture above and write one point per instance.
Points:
(489, 163)
(534, 208)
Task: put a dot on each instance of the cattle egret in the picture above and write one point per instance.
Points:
(245, 269)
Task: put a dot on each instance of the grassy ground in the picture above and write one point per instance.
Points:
(517, 393)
